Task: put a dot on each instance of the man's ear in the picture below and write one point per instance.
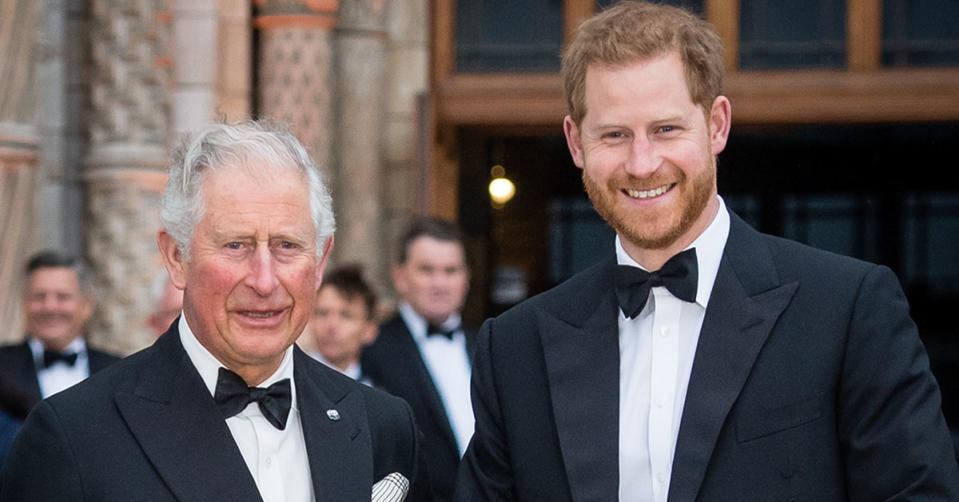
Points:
(573, 140)
(370, 332)
(174, 261)
(321, 266)
(720, 119)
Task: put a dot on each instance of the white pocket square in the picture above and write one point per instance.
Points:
(392, 488)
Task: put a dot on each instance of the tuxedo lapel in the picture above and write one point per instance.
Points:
(336, 433)
(745, 303)
(24, 374)
(410, 359)
(581, 346)
(175, 420)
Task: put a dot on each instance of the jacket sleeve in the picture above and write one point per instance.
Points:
(42, 464)
(895, 440)
(485, 474)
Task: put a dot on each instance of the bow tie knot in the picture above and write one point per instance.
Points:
(232, 395)
(51, 357)
(434, 330)
(679, 275)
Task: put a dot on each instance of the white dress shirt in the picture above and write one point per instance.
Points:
(277, 459)
(449, 367)
(656, 358)
(354, 370)
(60, 375)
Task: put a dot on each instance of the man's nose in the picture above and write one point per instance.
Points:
(642, 160)
(262, 276)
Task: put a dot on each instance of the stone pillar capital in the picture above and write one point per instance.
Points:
(272, 14)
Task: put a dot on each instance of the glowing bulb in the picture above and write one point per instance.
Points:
(501, 190)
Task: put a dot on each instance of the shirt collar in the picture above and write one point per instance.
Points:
(709, 252)
(417, 325)
(209, 366)
(352, 371)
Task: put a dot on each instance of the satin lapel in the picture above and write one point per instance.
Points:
(410, 358)
(746, 301)
(581, 346)
(173, 417)
(26, 374)
(338, 444)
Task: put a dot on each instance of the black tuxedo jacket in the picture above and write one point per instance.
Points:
(809, 383)
(19, 372)
(394, 363)
(147, 428)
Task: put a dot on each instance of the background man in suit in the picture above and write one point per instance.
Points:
(342, 322)
(423, 354)
(223, 406)
(742, 367)
(58, 299)
(167, 303)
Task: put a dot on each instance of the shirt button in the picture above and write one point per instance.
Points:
(269, 460)
(664, 332)
(660, 402)
(661, 477)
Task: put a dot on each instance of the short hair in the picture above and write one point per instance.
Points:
(247, 144)
(54, 259)
(426, 226)
(348, 280)
(634, 31)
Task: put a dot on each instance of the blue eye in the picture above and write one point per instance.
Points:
(234, 245)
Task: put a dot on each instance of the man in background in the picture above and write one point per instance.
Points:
(58, 299)
(342, 323)
(423, 353)
(167, 303)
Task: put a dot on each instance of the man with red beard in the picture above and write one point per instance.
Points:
(707, 361)
(57, 302)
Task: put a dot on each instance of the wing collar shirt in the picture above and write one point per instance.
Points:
(60, 375)
(449, 367)
(656, 358)
(277, 459)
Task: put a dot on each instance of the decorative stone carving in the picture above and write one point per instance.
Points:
(126, 167)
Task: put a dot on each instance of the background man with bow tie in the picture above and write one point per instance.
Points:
(58, 299)
(423, 353)
(705, 362)
(223, 406)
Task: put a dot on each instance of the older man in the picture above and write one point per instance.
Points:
(223, 406)
(706, 362)
(57, 302)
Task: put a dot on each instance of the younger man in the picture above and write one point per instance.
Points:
(342, 322)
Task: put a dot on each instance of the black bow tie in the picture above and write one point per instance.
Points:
(434, 330)
(679, 275)
(233, 395)
(51, 357)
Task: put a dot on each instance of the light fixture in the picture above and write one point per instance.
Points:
(501, 189)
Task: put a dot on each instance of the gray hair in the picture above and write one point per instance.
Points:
(250, 144)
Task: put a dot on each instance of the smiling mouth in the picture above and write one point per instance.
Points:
(648, 194)
(261, 315)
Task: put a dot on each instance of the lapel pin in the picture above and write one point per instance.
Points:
(333, 414)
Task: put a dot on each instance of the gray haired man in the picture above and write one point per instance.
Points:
(223, 406)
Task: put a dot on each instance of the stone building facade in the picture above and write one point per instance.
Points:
(93, 94)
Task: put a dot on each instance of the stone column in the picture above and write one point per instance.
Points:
(360, 72)
(235, 55)
(195, 63)
(19, 146)
(126, 166)
(295, 65)
(407, 83)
